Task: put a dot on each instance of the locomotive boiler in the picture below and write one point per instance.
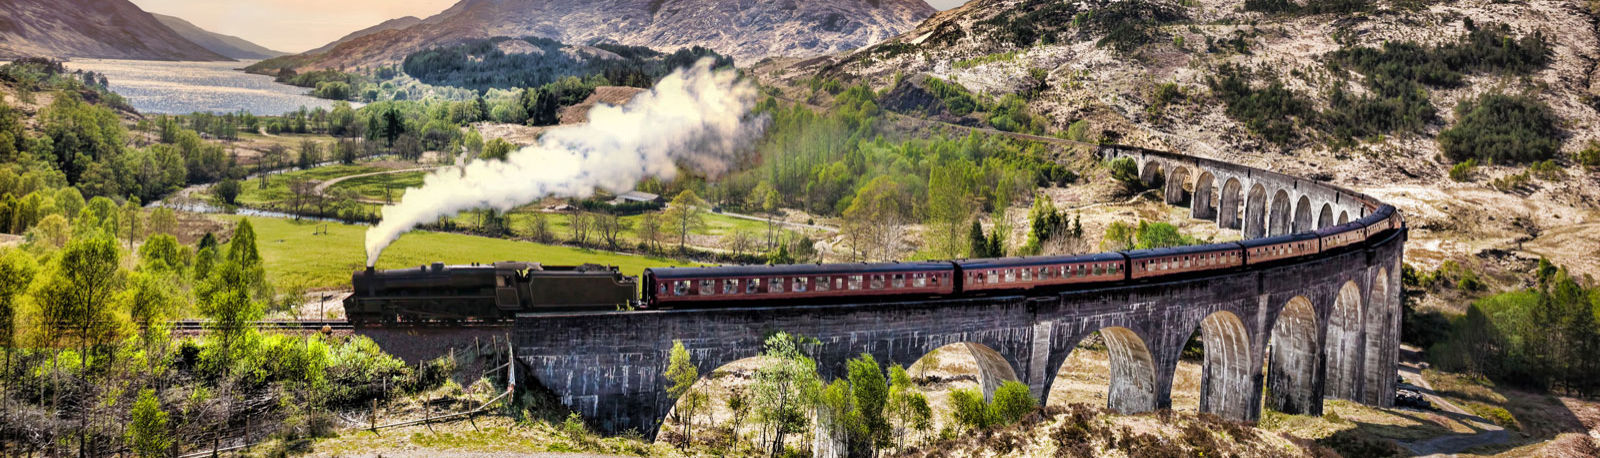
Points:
(483, 293)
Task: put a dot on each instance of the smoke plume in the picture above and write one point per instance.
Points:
(696, 117)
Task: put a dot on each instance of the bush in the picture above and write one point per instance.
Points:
(333, 90)
(1012, 401)
(1590, 157)
(1272, 112)
(228, 190)
(956, 99)
(1463, 171)
(1502, 128)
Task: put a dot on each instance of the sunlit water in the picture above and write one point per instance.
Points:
(188, 87)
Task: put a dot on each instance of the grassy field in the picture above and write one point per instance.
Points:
(277, 190)
(299, 253)
(372, 187)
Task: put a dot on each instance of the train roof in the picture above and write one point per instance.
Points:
(1274, 240)
(1180, 250)
(1342, 228)
(796, 269)
(988, 263)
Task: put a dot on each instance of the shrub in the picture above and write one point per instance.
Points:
(1463, 171)
(1590, 157)
(1012, 401)
(956, 99)
(1548, 170)
(1502, 128)
(1271, 112)
(228, 190)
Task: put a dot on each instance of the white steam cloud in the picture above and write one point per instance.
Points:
(697, 117)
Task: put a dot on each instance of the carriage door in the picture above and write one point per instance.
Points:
(505, 293)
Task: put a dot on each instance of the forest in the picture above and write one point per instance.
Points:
(484, 64)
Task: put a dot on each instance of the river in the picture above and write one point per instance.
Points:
(188, 87)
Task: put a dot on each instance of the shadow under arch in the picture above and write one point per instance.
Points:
(1129, 372)
(1325, 217)
(1344, 347)
(1226, 380)
(713, 422)
(1228, 205)
(1178, 191)
(1150, 174)
(1255, 212)
(1204, 203)
(1279, 219)
(1293, 358)
(1302, 215)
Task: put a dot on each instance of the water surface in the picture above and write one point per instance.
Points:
(188, 87)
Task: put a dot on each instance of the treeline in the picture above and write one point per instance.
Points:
(838, 163)
(328, 84)
(483, 64)
(36, 74)
(92, 367)
(871, 409)
(1541, 337)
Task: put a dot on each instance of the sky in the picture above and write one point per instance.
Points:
(301, 25)
(291, 25)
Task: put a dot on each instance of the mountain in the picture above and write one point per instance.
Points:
(110, 29)
(748, 30)
(392, 24)
(226, 45)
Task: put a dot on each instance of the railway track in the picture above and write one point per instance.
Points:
(272, 325)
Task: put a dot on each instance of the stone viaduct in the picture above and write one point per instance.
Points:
(1324, 326)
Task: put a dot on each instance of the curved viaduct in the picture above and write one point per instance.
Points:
(1325, 326)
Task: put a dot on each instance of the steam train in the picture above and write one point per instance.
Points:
(499, 292)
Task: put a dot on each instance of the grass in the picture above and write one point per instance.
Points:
(277, 190)
(372, 187)
(297, 253)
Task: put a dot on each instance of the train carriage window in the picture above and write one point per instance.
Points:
(1027, 274)
(682, 288)
(708, 287)
(877, 282)
(775, 286)
(752, 286)
(855, 282)
(994, 276)
(822, 284)
(730, 286)
(1011, 275)
(936, 278)
(800, 284)
(921, 280)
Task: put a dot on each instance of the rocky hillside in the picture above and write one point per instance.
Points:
(747, 30)
(227, 45)
(1356, 92)
(110, 29)
(392, 24)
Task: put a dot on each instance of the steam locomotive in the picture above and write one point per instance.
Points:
(499, 292)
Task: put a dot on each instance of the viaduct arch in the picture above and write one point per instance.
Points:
(1288, 335)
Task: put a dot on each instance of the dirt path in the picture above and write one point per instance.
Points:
(1488, 432)
(323, 187)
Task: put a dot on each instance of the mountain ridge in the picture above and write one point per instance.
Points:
(106, 29)
(227, 45)
(748, 31)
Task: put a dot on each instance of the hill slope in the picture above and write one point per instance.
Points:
(392, 24)
(110, 29)
(746, 30)
(227, 45)
(1148, 73)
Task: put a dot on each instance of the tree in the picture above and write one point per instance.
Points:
(228, 190)
(650, 232)
(17, 270)
(1012, 401)
(681, 376)
(907, 408)
(271, 159)
(978, 244)
(147, 429)
(1126, 171)
(879, 211)
(970, 410)
(611, 226)
(77, 303)
(163, 221)
(785, 388)
(132, 225)
(497, 149)
(539, 227)
(161, 253)
(581, 222)
(303, 192)
(871, 393)
(310, 154)
(766, 198)
(1502, 128)
(686, 214)
(739, 407)
(739, 242)
(950, 207)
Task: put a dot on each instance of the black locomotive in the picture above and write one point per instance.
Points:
(484, 293)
